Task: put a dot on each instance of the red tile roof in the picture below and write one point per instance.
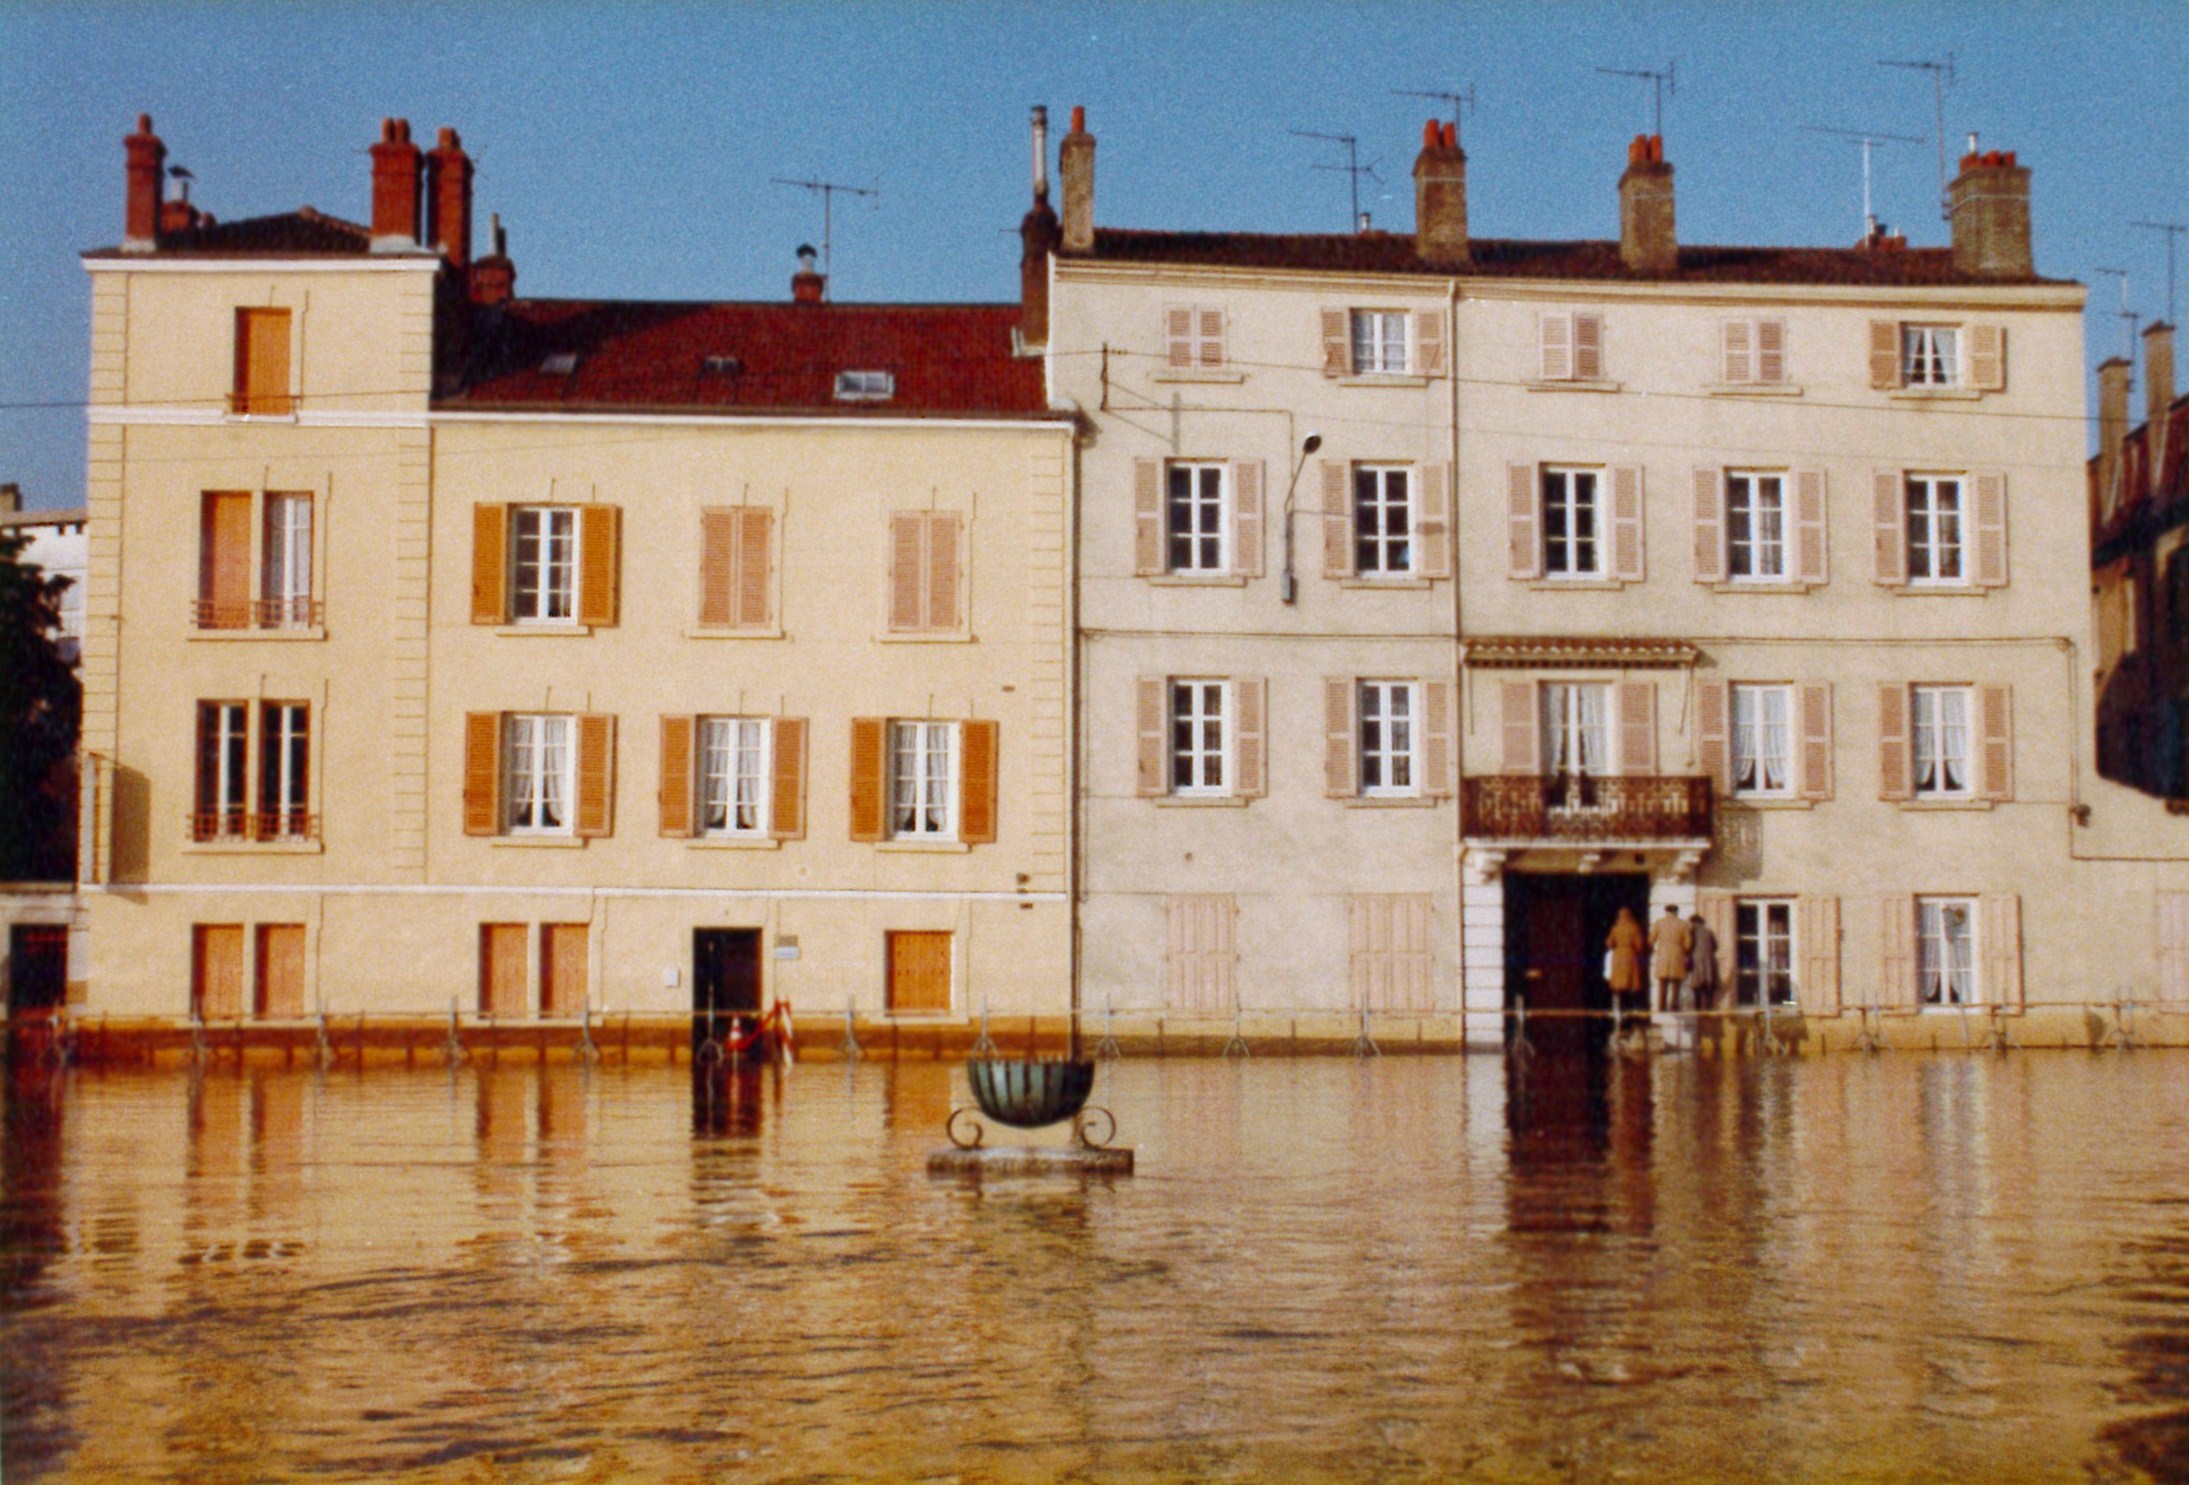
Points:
(303, 233)
(948, 360)
(1393, 252)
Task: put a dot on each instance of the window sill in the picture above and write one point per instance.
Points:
(1196, 374)
(1752, 389)
(279, 636)
(735, 843)
(914, 637)
(535, 630)
(925, 847)
(1575, 585)
(1198, 801)
(538, 842)
(1197, 579)
(1944, 806)
(1396, 802)
(1767, 802)
(1597, 384)
(1936, 590)
(1383, 379)
(726, 631)
(254, 848)
(1392, 584)
(1935, 394)
(1774, 585)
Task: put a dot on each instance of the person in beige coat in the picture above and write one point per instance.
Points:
(1670, 943)
(1623, 965)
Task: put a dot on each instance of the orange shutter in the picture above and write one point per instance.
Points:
(1178, 326)
(280, 994)
(501, 969)
(262, 363)
(1710, 524)
(1428, 343)
(755, 528)
(1817, 932)
(787, 806)
(217, 971)
(599, 531)
(1737, 361)
(1999, 931)
(1246, 518)
(869, 768)
(1341, 780)
(224, 560)
(1995, 716)
(1991, 529)
(1152, 702)
(718, 543)
(1896, 987)
(1518, 728)
(1713, 750)
(596, 774)
(1337, 519)
(1588, 347)
(1988, 358)
(1895, 755)
(1337, 342)
(676, 776)
(1436, 732)
(1555, 361)
(979, 764)
(1637, 729)
(1252, 746)
(1523, 549)
(1147, 517)
(945, 571)
(562, 968)
(1816, 741)
(1884, 355)
(1626, 523)
(1433, 532)
(1889, 521)
(482, 773)
(907, 590)
(1812, 557)
(490, 564)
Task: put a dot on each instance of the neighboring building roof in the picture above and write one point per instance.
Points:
(572, 355)
(2145, 509)
(1393, 252)
(74, 517)
(1576, 650)
(303, 233)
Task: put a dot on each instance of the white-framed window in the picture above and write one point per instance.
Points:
(1383, 520)
(1379, 341)
(1945, 950)
(1755, 525)
(1763, 951)
(224, 753)
(1200, 738)
(1941, 717)
(285, 565)
(1388, 736)
(537, 765)
(865, 386)
(734, 774)
(923, 775)
(1573, 543)
(1195, 511)
(1930, 355)
(284, 770)
(1763, 746)
(1936, 549)
(544, 564)
(1576, 728)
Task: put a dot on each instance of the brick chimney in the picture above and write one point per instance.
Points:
(1440, 197)
(1647, 243)
(449, 169)
(1989, 204)
(2112, 433)
(493, 278)
(147, 187)
(395, 202)
(11, 499)
(2158, 396)
(1075, 163)
(808, 283)
(1038, 233)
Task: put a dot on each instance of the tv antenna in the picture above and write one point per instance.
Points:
(1867, 138)
(2173, 231)
(1352, 166)
(1459, 101)
(828, 191)
(1941, 79)
(2127, 317)
(1664, 82)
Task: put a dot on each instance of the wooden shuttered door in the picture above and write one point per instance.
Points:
(1246, 518)
(926, 571)
(1895, 743)
(677, 791)
(1813, 707)
(1337, 342)
(1428, 343)
(1148, 517)
(1989, 570)
(1889, 524)
(1628, 561)
(1988, 357)
(1816, 936)
(262, 363)
(919, 972)
(1341, 726)
(490, 564)
(600, 538)
(1995, 734)
(216, 971)
(787, 789)
(1437, 753)
(1433, 529)
(1884, 355)
(1637, 729)
(1710, 524)
(502, 988)
(736, 589)
(1896, 985)
(1151, 716)
(1519, 732)
(596, 775)
(482, 773)
(979, 764)
(1251, 748)
(563, 956)
(1713, 734)
(1999, 940)
(1337, 518)
(1201, 957)
(224, 560)
(1523, 543)
(869, 779)
(2173, 947)
(279, 995)
(1812, 554)
(1390, 956)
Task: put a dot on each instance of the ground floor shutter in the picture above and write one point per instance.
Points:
(216, 971)
(1391, 957)
(919, 973)
(2173, 932)
(563, 968)
(1896, 987)
(502, 990)
(2000, 935)
(1202, 958)
(1817, 932)
(280, 995)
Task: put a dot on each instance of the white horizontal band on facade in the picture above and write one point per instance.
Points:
(414, 262)
(158, 415)
(398, 889)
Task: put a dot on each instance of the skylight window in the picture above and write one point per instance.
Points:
(865, 386)
(562, 363)
(722, 366)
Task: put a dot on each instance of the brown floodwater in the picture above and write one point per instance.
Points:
(1893, 1268)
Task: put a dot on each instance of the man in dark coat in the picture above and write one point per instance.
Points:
(1703, 984)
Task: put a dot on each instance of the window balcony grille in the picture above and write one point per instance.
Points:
(262, 613)
(1585, 808)
(279, 827)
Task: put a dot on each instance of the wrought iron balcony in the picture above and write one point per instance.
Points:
(292, 827)
(1579, 808)
(260, 613)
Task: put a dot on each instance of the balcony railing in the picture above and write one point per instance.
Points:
(1575, 807)
(259, 613)
(253, 826)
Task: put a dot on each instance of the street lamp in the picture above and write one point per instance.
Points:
(1287, 587)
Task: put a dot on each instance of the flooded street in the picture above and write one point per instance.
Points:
(1903, 1267)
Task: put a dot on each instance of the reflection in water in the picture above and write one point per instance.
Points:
(1950, 1267)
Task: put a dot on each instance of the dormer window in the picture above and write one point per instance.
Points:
(562, 363)
(865, 386)
(722, 366)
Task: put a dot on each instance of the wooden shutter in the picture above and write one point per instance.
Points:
(2173, 936)
(596, 775)
(280, 972)
(1436, 734)
(1626, 523)
(1710, 524)
(1720, 912)
(1812, 554)
(1988, 357)
(1428, 343)
(1252, 747)
(1991, 529)
(1337, 518)
(907, 572)
(1884, 355)
(483, 773)
(787, 790)
(755, 530)
(869, 779)
(563, 955)
(1999, 932)
(1737, 352)
(979, 762)
(1555, 347)
(1889, 522)
(1713, 733)
(1202, 954)
(1521, 733)
(1771, 351)
(720, 536)
(1815, 703)
(224, 560)
(1896, 987)
(1212, 338)
(1178, 332)
(1433, 527)
(1637, 729)
(599, 540)
(490, 564)
(217, 970)
(1588, 347)
(1895, 744)
(262, 363)
(1147, 517)
(676, 776)
(1337, 342)
(1816, 929)
(1151, 713)
(501, 969)
(1246, 518)
(1523, 549)
(945, 570)
(1341, 780)
(1995, 723)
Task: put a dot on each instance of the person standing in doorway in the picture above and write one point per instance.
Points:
(1703, 985)
(1670, 945)
(1624, 970)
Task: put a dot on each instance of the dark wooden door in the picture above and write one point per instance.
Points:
(37, 968)
(725, 978)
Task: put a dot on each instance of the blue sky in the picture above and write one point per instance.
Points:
(629, 147)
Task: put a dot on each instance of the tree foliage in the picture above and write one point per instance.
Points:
(40, 709)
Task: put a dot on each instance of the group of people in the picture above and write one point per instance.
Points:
(1682, 958)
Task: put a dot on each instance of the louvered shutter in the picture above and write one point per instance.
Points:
(1555, 361)
(1436, 767)
(1770, 351)
(907, 588)
(787, 794)
(1710, 525)
(1988, 358)
(483, 773)
(1812, 554)
(1433, 528)
(1637, 729)
(1178, 324)
(224, 561)
(1815, 703)
(1519, 730)
(1523, 548)
(600, 529)
(1889, 523)
(1588, 347)
(1817, 989)
(2173, 947)
(979, 763)
(1252, 747)
(1999, 933)
(1147, 517)
(676, 776)
(1896, 987)
(1895, 766)
(1337, 518)
(596, 775)
(1212, 338)
(1995, 719)
(755, 527)
(1626, 523)
(1341, 780)
(1713, 741)
(945, 571)
(1337, 342)
(719, 539)
(1738, 355)
(1246, 518)
(1991, 529)
(490, 564)
(869, 768)
(1884, 355)
(1150, 714)
(1721, 915)
(1428, 344)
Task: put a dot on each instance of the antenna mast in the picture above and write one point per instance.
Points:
(2127, 317)
(1941, 79)
(2173, 231)
(1459, 102)
(1352, 166)
(1867, 138)
(827, 190)
(1664, 82)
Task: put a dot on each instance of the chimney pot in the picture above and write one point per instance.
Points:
(2112, 435)
(1989, 206)
(147, 187)
(1440, 197)
(1076, 164)
(807, 284)
(1451, 136)
(1039, 233)
(449, 169)
(1648, 241)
